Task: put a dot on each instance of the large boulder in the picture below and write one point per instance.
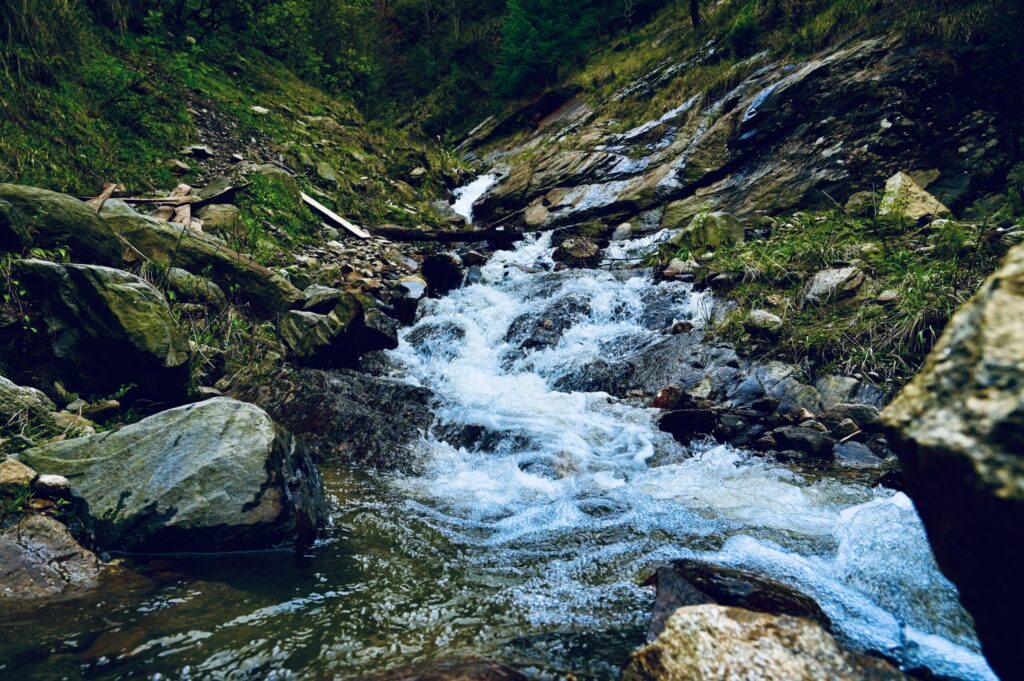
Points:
(55, 220)
(715, 643)
(214, 476)
(906, 198)
(108, 328)
(175, 246)
(958, 429)
(328, 340)
(347, 416)
(14, 236)
(40, 559)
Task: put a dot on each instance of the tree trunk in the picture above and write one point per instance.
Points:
(695, 12)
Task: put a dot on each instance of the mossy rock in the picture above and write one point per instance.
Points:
(54, 220)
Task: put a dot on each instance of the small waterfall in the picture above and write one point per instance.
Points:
(468, 195)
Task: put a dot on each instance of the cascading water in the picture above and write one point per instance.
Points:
(570, 497)
(534, 516)
(468, 195)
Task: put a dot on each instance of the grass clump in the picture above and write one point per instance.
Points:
(932, 270)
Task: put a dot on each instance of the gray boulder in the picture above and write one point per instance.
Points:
(107, 328)
(707, 230)
(327, 340)
(54, 220)
(958, 429)
(213, 476)
(222, 220)
(20, 405)
(763, 323)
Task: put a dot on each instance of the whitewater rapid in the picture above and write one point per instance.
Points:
(573, 497)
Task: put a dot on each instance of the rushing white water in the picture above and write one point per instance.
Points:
(468, 195)
(583, 494)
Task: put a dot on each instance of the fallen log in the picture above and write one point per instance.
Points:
(448, 236)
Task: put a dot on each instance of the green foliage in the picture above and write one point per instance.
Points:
(933, 271)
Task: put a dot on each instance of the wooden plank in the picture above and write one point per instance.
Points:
(448, 236)
(334, 217)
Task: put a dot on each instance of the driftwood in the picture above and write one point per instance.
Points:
(446, 236)
(334, 217)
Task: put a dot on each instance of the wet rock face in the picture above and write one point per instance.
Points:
(443, 273)
(958, 429)
(347, 416)
(712, 642)
(334, 339)
(108, 328)
(760, 147)
(40, 559)
(213, 476)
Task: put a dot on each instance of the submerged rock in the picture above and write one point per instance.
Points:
(958, 429)
(108, 328)
(55, 220)
(214, 476)
(715, 643)
(347, 416)
(40, 559)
